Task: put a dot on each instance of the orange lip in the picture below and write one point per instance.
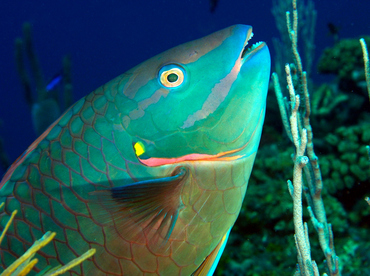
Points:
(153, 162)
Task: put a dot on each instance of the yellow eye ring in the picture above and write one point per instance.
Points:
(171, 76)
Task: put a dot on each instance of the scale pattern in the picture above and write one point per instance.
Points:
(91, 148)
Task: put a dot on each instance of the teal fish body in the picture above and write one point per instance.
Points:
(151, 168)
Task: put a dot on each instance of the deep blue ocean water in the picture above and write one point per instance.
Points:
(106, 38)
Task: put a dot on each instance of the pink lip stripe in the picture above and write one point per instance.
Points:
(152, 162)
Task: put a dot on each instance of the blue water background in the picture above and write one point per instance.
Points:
(106, 38)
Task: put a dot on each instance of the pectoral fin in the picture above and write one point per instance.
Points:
(150, 207)
(208, 267)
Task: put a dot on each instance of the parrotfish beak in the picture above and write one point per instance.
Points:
(246, 108)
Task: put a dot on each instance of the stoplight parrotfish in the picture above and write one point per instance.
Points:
(151, 168)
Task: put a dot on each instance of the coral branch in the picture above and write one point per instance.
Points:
(280, 99)
(9, 222)
(72, 263)
(299, 137)
(367, 75)
(301, 132)
(367, 65)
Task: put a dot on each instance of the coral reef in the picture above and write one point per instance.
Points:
(261, 242)
(347, 162)
(345, 60)
(264, 229)
(326, 99)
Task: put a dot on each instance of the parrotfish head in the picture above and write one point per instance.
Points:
(202, 100)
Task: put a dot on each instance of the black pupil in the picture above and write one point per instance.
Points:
(172, 77)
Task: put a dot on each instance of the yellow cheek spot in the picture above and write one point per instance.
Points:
(139, 148)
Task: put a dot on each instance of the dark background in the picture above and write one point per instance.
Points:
(106, 38)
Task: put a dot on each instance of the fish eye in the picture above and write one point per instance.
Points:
(171, 76)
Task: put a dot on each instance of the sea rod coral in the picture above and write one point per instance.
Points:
(300, 132)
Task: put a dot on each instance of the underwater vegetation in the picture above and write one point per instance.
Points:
(45, 106)
(262, 241)
(44, 102)
(344, 60)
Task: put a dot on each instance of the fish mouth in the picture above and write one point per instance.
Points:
(249, 51)
(195, 157)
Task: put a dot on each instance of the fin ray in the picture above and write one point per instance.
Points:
(150, 206)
